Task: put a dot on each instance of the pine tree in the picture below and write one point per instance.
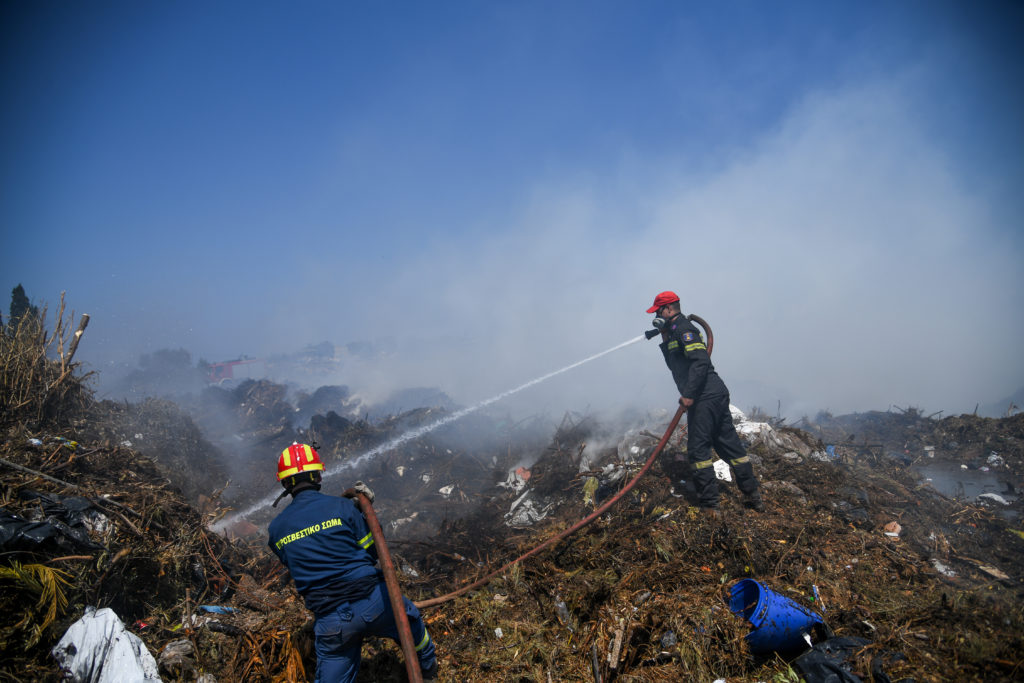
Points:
(20, 307)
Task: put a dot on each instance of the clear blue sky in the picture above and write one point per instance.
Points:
(837, 186)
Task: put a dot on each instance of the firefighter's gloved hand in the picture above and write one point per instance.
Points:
(362, 488)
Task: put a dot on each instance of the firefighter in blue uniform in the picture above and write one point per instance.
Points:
(706, 398)
(328, 549)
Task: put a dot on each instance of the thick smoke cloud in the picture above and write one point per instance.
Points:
(842, 263)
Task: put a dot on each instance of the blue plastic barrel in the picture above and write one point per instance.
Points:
(779, 623)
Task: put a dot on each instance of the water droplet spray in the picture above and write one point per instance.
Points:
(420, 431)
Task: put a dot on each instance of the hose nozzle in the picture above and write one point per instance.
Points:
(658, 324)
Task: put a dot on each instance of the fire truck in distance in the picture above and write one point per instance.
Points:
(229, 371)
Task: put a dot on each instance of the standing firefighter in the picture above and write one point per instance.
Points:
(706, 399)
(328, 548)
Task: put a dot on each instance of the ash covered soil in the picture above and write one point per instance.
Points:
(932, 584)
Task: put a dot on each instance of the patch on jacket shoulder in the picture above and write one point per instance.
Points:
(689, 336)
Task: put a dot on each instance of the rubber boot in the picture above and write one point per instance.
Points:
(752, 501)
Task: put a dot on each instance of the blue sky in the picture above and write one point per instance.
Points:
(503, 187)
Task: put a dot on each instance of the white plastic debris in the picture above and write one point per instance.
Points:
(446, 491)
(425, 478)
(943, 569)
(722, 470)
(893, 529)
(994, 497)
(98, 649)
(525, 512)
(404, 520)
(96, 522)
(995, 459)
(516, 479)
(498, 632)
(401, 470)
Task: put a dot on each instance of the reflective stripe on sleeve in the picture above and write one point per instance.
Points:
(366, 541)
(694, 346)
(424, 641)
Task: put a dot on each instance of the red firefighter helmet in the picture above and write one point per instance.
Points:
(297, 458)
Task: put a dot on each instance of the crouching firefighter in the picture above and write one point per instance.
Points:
(706, 399)
(326, 545)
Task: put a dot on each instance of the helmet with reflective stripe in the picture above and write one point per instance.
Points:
(297, 458)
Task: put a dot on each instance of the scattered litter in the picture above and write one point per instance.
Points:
(994, 497)
(98, 649)
(404, 520)
(832, 661)
(525, 512)
(590, 485)
(176, 658)
(446, 491)
(942, 568)
(217, 609)
(61, 525)
(563, 614)
(993, 572)
(516, 479)
(817, 598)
(722, 470)
(499, 633)
(893, 529)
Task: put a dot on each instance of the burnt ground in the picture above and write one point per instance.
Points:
(644, 586)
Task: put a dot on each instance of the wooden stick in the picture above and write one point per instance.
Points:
(77, 337)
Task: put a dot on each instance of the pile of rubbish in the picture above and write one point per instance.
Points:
(858, 569)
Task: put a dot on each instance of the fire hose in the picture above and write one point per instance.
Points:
(388, 566)
(593, 515)
(412, 665)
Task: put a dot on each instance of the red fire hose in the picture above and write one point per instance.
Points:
(592, 516)
(412, 664)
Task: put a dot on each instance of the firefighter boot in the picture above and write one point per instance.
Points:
(752, 501)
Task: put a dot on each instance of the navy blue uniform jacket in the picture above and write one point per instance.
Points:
(687, 357)
(328, 548)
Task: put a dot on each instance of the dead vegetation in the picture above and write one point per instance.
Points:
(39, 383)
(639, 595)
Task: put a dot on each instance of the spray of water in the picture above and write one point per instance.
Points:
(420, 431)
